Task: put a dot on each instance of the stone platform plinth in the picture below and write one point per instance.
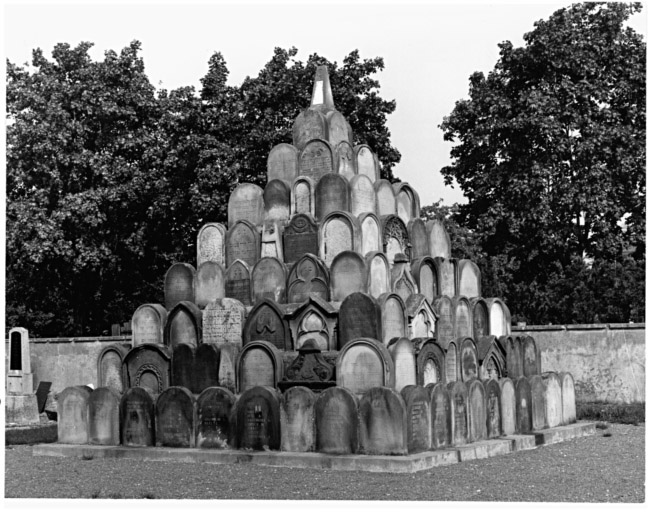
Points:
(373, 463)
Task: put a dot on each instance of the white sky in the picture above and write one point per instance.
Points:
(429, 49)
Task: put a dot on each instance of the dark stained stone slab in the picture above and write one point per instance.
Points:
(210, 243)
(439, 239)
(309, 369)
(300, 237)
(297, 420)
(183, 325)
(266, 322)
(238, 282)
(316, 160)
(268, 280)
(332, 194)
(148, 324)
(242, 243)
(430, 363)
(394, 317)
(137, 418)
(445, 324)
(362, 195)
(395, 237)
(222, 322)
(258, 364)
(469, 363)
(452, 363)
(148, 366)
(479, 318)
(440, 408)
(282, 163)
(183, 366)
(385, 197)
(523, 406)
(513, 356)
(366, 164)
(345, 163)
(553, 399)
(359, 317)
(245, 203)
(104, 417)
(462, 318)
(257, 415)
(338, 232)
(276, 197)
(314, 320)
(338, 129)
(458, 413)
(179, 286)
(109, 367)
(469, 279)
(493, 408)
(215, 419)
(538, 405)
(337, 422)
(425, 275)
(363, 364)
(530, 357)
(419, 418)
(370, 229)
(208, 283)
(476, 411)
(404, 362)
(568, 413)
(72, 415)
(508, 407)
(418, 238)
(302, 197)
(310, 124)
(206, 367)
(447, 277)
(308, 276)
(379, 274)
(175, 418)
(382, 422)
(348, 274)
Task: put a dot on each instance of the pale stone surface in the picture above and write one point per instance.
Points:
(211, 241)
(268, 280)
(104, 417)
(208, 283)
(179, 284)
(378, 274)
(302, 197)
(337, 421)
(348, 274)
(282, 163)
(568, 398)
(553, 399)
(508, 407)
(382, 422)
(246, 203)
(316, 160)
(364, 364)
(297, 420)
(404, 363)
(72, 415)
(148, 324)
(242, 243)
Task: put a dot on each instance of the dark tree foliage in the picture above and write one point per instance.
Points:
(551, 155)
(109, 180)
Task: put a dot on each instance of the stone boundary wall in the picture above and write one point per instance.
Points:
(606, 360)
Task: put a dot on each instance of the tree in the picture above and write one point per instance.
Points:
(551, 156)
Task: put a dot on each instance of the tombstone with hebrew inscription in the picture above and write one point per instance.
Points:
(242, 243)
(257, 416)
(215, 420)
(258, 364)
(308, 277)
(148, 324)
(137, 418)
(208, 283)
(359, 317)
(394, 317)
(337, 422)
(179, 284)
(297, 420)
(458, 394)
(348, 274)
(332, 195)
(508, 406)
(282, 163)
(419, 418)
(345, 163)
(363, 364)
(300, 238)
(476, 411)
(183, 325)
(210, 243)
(104, 417)
(378, 274)
(385, 198)
(237, 282)
(72, 415)
(404, 362)
(316, 160)
(175, 418)
(370, 228)
(440, 409)
(530, 357)
(268, 280)
(309, 124)
(276, 197)
(339, 232)
(266, 322)
(302, 196)
(223, 320)
(382, 422)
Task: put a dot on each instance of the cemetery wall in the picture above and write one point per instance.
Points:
(607, 361)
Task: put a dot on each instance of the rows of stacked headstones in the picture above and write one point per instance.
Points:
(336, 421)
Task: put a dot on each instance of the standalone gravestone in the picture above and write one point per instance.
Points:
(362, 195)
(266, 322)
(386, 198)
(137, 418)
(148, 366)
(363, 364)
(447, 277)
(179, 284)
(259, 364)
(439, 239)
(476, 411)
(345, 160)
(222, 322)
(378, 274)
(276, 201)
(568, 398)
(257, 414)
(148, 324)
(371, 241)
(72, 415)
(268, 280)
(337, 422)
(468, 356)
(316, 159)
(348, 274)
(462, 318)
(445, 324)
(530, 357)
(452, 363)
(109, 367)
(282, 163)
(332, 194)
(300, 238)
(469, 279)
(553, 399)
(440, 407)
(523, 412)
(238, 282)
(339, 232)
(215, 421)
(479, 310)
(210, 243)
(183, 325)
(365, 161)
(360, 316)
(425, 275)
(242, 243)
(303, 196)
(458, 413)
(175, 418)
(245, 203)
(419, 418)
(382, 422)
(430, 363)
(297, 420)
(308, 277)
(404, 362)
(508, 407)
(395, 237)
(208, 283)
(104, 417)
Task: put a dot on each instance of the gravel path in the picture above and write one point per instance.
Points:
(600, 468)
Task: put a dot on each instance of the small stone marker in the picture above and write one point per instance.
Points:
(258, 364)
(530, 357)
(440, 408)
(523, 406)
(508, 407)
(538, 405)
(222, 321)
(179, 284)
(72, 415)
(227, 358)
(282, 163)
(419, 418)
(345, 160)
(332, 195)
(208, 283)
(553, 399)
(268, 280)
(245, 203)
(493, 408)
(378, 274)
(479, 318)
(469, 364)
(430, 363)
(363, 364)
(215, 421)
(297, 420)
(458, 413)
(266, 322)
(238, 282)
(362, 195)
(258, 419)
(339, 232)
(308, 277)
(183, 325)
(206, 367)
(371, 241)
(104, 417)
(109, 367)
(386, 198)
(337, 422)
(242, 243)
(404, 362)
(300, 238)
(210, 243)
(394, 317)
(476, 411)
(360, 316)
(303, 196)
(148, 366)
(137, 418)
(348, 274)
(310, 124)
(395, 238)
(469, 279)
(447, 276)
(452, 363)
(568, 414)
(175, 418)
(365, 160)
(439, 239)
(382, 422)
(148, 324)
(316, 160)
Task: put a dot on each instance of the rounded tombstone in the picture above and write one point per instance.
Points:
(339, 232)
(297, 420)
(148, 324)
(378, 274)
(302, 196)
(445, 324)
(530, 357)
(300, 237)
(440, 409)
(439, 239)
(257, 419)
(468, 359)
(447, 277)
(282, 163)
(568, 398)
(179, 284)
(479, 312)
(332, 194)
(538, 405)
(523, 406)
(500, 318)
(104, 417)
(493, 408)
(462, 317)
(215, 419)
(259, 363)
(418, 237)
(404, 362)
(419, 418)
(553, 399)
(430, 363)
(513, 356)
(268, 280)
(237, 282)
(370, 230)
(337, 422)
(316, 160)
(469, 279)
(345, 160)
(245, 203)
(407, 202)
(309, 124)
(222, 322)
(508, 406)
(452, 363)
(72, 415)
(477, 418)
(362, 195)
(208, 283)
(360, 316)
(365, 160)
(175, 418)
(385, 198)
(458, 394)
(425, 275)
(148, 366)
(266, 321)
(183, 325)
(242, 243)
(363, 364)
(338, 128)
(382, 422)
(276, 197)
(348, 275)
(109, 367)
(394, 317)
(137, 418)
(210, 243)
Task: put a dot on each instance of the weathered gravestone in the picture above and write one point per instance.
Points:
(425, 274)
(378, 274)
(492, 358)
(395, 238)
(339, 232)
(183, 325)
(282, 163)
(268, 280)
(72, 415)
(362, 195)
(332, 195)
(208, 283)
(421, 317)
(508, 406)
(530, 357)
(394, 317)
(309, 124)
(179, 284)
(316, 160)
(445, 323)
(245, 203)
(468, 355)
(363, 364)
(493, 408)
(386, 198)
(452, 363)
(148, 366)
(309, 369)
(337, 422)
(345, 160)
(402, 282)
(382, 422)
(297, 420)
(366, 164)
(538, 403)
(137, 418)
(418, 237)
(462, 318)
(447, 277)
(303, 196)
(271, 239)
(228, 354)
(500, 318)
(338, 128)
(259, 363)
(419, 418)
(404, 362)
(476, 411)
(348, 274)
(523, 406)
(148, 324)
(439, 239)
(210, 243)
(300, 238)
(360, 316)
(109, 367)
(469, 279)
(257, 414)
(242, 243)
(568, 411)
(315, 319)
(479, 310)
(266, 322)
(104, 417)
(215, 420)
(440, 408)
(407, 202)
(371, 242)
(553, 399)
(238, 282)
(430, 362)
(513, 356)
(222, 322)
(458, 413)
(206, 367)
(175, 418)
(308, 277)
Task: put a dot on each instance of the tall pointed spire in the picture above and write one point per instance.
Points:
(321, 91)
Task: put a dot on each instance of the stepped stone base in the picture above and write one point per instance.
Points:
(372, 463)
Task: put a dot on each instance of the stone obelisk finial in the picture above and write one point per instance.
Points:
(321, 92)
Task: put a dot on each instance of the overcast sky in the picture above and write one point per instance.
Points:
(429, 49)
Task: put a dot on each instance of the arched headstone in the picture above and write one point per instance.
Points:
(382, 422)
(359, 317)
(418, 237)
(258, 364)
(148, 324)
(462, 318)
(553, 399)
(297, 420)
(179, 284)
(268, 280)
(513, 356)
(425, 275)
(458, 413)
(310, 124)
(302, 196)
(257, 415)
(395, 237)
(452, 363)
(530, 357)
(386, 198)
(308, 276)
(148, 366)
(523, 406)
(266, 322)
(104, 417)
(282, 163)
(175, 418)
(404, 362)
(316, 159)
(276, 197)
(245, 203)
(215, 419)
(508, 407)
(337, 422)
(363, 364)
(339, 232)
(430, 363)
(348, 274)
(137, 418)
(208, 283)
(72, 415)
(370, 229)
(345, 160)
(338, 128)
(439, 239)
(362, 195)
(419, 418)
(211, 241)
(242, 243)
(469, 279)
(476, 411)
(440, 407)
(480, 325)
(238, 282)
(222, 322)
(407, 202)
(394, 317)
(493, 408)
(500, 318)
(469, 362)
(447, 277)
(109, 367)
(365, 160)
(300, 237)
(332, 194)
(568, 398)
(183, 325)
(378, 274)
